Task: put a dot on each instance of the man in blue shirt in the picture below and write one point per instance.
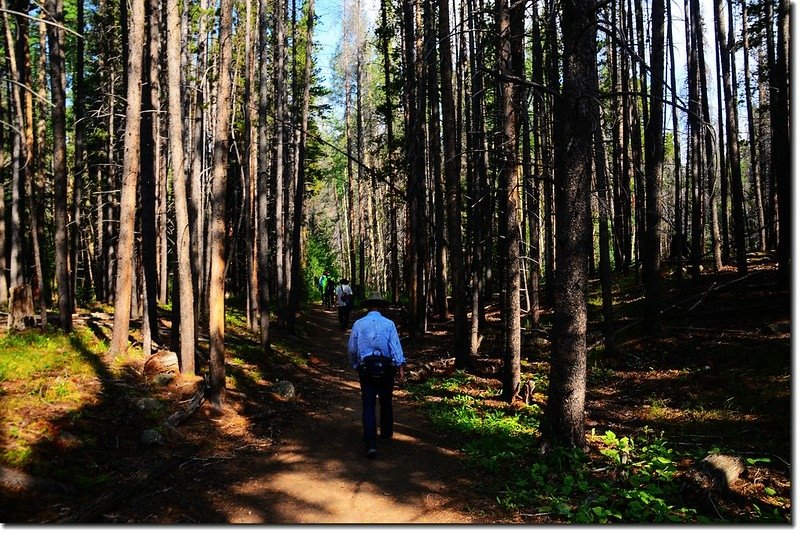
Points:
(375, 353)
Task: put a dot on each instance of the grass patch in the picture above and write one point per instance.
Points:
(622, 479)
(43, 373)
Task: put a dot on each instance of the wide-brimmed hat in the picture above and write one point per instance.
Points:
(375, 298)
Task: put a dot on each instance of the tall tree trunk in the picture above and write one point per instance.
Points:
(58, 81)
(394, 277)
(301, 166)
(435, 163)
(452, 176)
(677, 246)
(479, 156)
(279, 166)
(564, 413)
(755, 174)
(603, 195)
(510, 21)
(250, 172)
(147, 178)
(79, 110)
(779, 122)
(34, 186)
(724, 163)
(262, 226)
(708, 141)
(654, 164)
(732, 126)
(130, 176)
(3, 165)
(16, 50)
(186, 304)
(217, 233)
(415, 158)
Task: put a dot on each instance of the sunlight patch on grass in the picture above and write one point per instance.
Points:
(42, 372)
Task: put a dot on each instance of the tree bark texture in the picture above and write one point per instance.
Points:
(564, 413)
(130, 177)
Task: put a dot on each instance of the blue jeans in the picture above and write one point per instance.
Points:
(382, 390)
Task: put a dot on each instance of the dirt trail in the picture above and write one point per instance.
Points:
(317, 472)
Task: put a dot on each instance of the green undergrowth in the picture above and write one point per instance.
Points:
(43, 374)
(621, 479)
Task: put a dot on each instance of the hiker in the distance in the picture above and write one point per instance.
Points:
(330, 295)
(375, 353)
(344, 301)
(322, 283)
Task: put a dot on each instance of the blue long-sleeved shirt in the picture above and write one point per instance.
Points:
(371, 332)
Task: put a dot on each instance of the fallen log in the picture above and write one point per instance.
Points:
(170, 425)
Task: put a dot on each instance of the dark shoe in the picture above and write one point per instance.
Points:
(386, 437)
(371, 453)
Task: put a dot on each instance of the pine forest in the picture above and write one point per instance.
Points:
(578, 212)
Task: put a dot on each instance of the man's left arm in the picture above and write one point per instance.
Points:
(397, 352)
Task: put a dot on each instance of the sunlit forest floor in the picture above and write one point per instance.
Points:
(717, 381)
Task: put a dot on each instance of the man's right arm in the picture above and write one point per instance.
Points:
(352, 348)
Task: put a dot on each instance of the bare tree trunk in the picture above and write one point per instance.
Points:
(3, 166)
(564, 413)
(279, 163)
(480, 194)
(724, 163)
(186, 304)
(677, 246)
(603, 194)
(40, 142)
(708, 143)
(262, 227)
(250, 172)
(654, 164)
(130, 176)
(394, 268)
(435, 163)
(216, 290)
(415, 158)
(301, 169)
(755, 174)
(779, 122)
(58, 83)
(19, 150)
(452, 177)
(79, 110)
(510, 21)
(147, 179)
(732, 125)
(695, 156)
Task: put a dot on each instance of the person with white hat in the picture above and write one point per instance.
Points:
(375, 353)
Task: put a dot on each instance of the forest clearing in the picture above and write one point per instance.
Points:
(573, 216)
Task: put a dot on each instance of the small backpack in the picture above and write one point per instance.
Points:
(347, 298)
(375, 367)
